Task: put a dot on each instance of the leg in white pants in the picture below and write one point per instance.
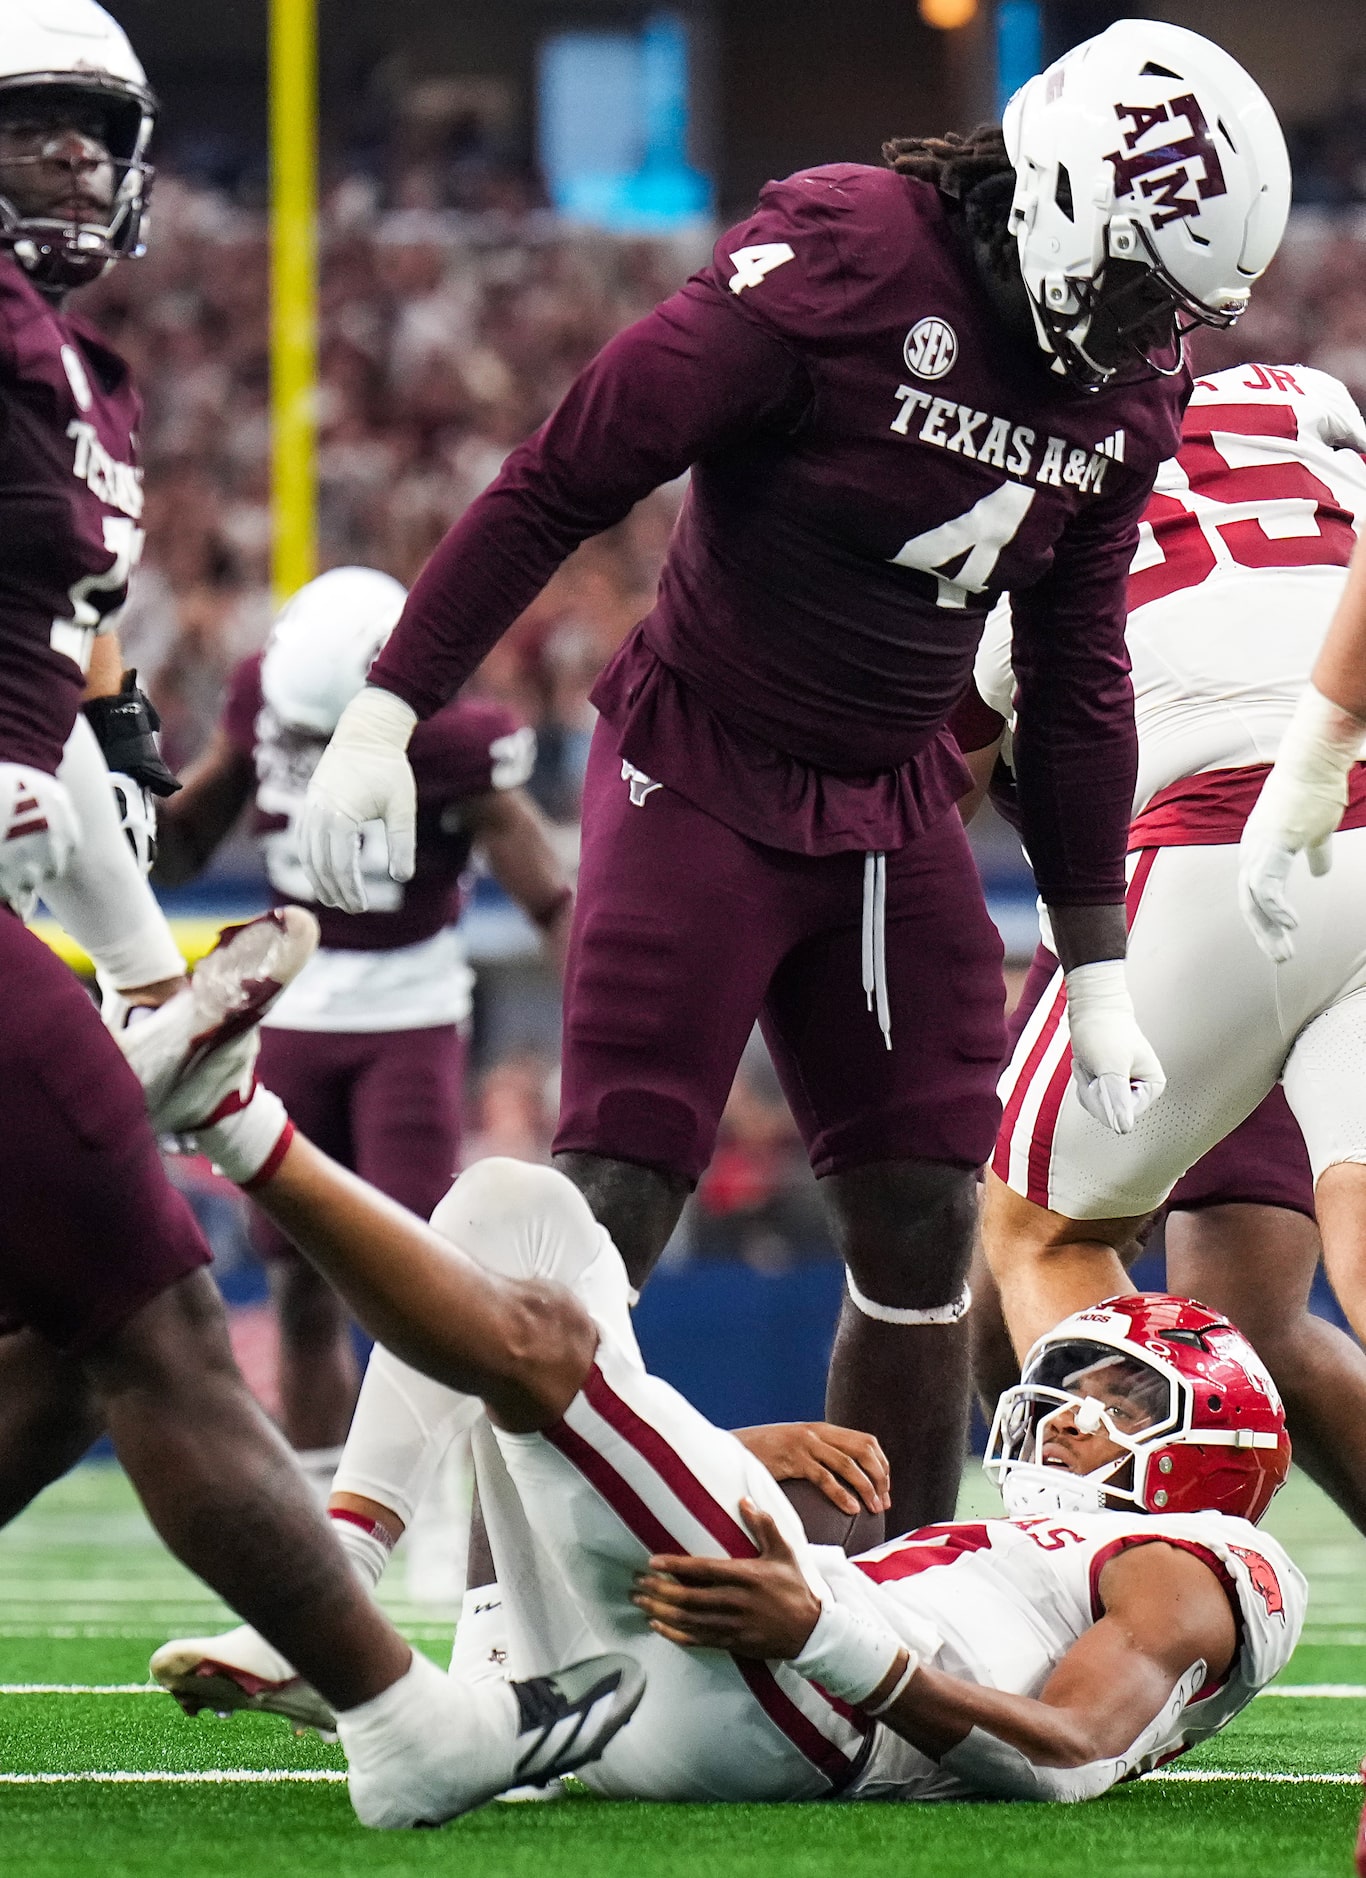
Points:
(632, 1468)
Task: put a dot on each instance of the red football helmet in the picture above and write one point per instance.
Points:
(1174, 1385)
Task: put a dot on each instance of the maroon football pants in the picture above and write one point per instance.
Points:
(90, 1227)
(686, 932)
(385, 1103)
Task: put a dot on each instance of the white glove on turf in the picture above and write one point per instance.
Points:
(39, 831)
(1113, 1065)
(362, 776)
(1301, 803)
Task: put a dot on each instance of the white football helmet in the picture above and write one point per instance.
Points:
(1152, 188)
(324, 642)
(74, 47)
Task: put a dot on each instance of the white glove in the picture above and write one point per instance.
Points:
(1301, 803)
(362, 776)
(39, 831)
(1113, 1065)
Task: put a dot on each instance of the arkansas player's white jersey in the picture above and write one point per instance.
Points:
(1242, 556)
(1010, 1597)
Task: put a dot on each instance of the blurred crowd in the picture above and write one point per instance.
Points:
(451, 324)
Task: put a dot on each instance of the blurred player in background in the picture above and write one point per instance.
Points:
(1127, 1610)
(1243, 557)
(110, 1317)
(365, 1047)
(899, 392)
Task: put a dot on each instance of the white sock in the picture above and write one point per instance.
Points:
(426, 1749)
(480, 1651)
(365, 1543)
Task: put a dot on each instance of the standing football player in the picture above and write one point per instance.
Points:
(365, 1047)
(899, 392)
(103, 1288)
(1244, 557)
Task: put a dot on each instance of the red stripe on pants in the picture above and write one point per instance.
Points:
(641, 1521)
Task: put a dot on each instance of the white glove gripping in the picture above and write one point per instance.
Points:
(1301, 803)
(39, 830)
(1113, 1065)
(362, 776)
(849, 1653)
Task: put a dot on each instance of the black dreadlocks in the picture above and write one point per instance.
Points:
(977, 172)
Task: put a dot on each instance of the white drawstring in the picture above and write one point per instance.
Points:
(875, 941)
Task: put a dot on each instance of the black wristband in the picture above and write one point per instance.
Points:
(125, 727)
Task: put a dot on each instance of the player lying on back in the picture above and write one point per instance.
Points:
(1243, 557)
(1128, 1609)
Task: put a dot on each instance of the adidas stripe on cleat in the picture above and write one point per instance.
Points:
(567, 1719)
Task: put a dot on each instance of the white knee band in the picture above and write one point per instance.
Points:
(892, 1314)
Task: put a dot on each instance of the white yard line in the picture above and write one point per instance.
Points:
(81, 1688)
(220, 1777)
(264, 1776)
(1206, 1775)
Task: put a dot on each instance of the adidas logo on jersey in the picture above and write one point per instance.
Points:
(1113, 447)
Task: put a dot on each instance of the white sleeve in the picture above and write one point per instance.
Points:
(1339, 421)
(992, 672)
(103, 899)
(403, 1425)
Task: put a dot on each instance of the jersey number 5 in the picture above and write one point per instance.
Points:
(1301, 523)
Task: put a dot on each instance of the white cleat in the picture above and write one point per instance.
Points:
(239, 1671)
(447, 1747)
(200, 1045)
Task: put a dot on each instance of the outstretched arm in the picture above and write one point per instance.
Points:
(1303, 799)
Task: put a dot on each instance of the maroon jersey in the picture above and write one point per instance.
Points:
(70, 502)
(874, 460)
(465, 750)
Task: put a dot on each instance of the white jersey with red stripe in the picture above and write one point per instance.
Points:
(1011, 1597)
(1242, 555)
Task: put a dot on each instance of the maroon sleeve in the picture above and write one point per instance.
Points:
(686, 380)
(457, 752)
(1075, 744)
(242, 706)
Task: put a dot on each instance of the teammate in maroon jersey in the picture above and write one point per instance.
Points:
(110, 1317)
(365, 1048)
(899, 393)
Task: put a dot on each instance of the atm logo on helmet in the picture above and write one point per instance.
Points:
(1165, 170)
(1264, 1580)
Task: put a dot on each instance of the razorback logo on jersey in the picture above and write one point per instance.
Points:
(1264, 1580)
(1164, 170)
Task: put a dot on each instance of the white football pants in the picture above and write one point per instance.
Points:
(1226, 1024)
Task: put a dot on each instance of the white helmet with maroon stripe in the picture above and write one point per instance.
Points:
(324, 642)
(74, 49)
(1174, 1386)
(1152, 188)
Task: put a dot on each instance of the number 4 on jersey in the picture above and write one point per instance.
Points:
(979, 534)
(751, 264)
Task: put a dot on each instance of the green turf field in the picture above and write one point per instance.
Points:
(99, 1777)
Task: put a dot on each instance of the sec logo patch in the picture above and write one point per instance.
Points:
(930, 348)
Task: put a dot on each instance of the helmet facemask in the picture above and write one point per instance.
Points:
(1081, 1388)
(60, 252)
